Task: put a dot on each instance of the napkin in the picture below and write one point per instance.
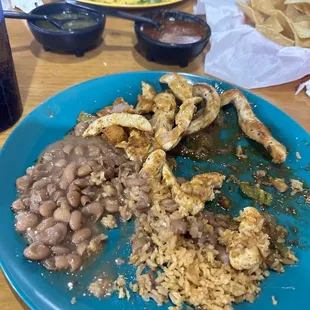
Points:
(6, 4)
(302, 86)
(241, 55)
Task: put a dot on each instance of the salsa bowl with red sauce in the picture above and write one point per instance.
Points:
(180, 40)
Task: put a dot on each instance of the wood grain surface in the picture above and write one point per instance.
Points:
(42, 74)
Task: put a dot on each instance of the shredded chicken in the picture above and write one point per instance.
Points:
(138, 145)
(167, 140)
(203, 185)
(252, 126)
(188, 204)
(114, 134)
(179, 85)
(191, 196)
(248, 246)
(146, 100)
(211, 109)
(118, 106)
(121, 119)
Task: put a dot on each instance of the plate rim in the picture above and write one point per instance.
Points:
(5, 266)
(134, 6)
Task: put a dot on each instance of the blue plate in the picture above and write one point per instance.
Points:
(52, 120)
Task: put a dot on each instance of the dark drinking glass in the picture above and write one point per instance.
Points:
(10, 103)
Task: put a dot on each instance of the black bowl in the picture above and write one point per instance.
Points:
(174, 54)
(76, 41)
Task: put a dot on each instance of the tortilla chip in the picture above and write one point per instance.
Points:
(292, 13)
(278, 4)
(254, 16)
(285, 23)
(273, 23)
(303, 8)
(303, 42)
(296, 1)
(263, 6)
(275, 36)
(302, 18)
(302, 29)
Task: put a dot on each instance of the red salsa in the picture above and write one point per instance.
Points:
(175, 31)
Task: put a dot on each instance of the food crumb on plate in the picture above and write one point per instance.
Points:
(298, 155)
(296, 186)
(274, 301)
(259, 174)
(73, 300)
(121, 288)
(240, 154)
(279, 184)
(134, 287)
(70, 286)
(121, 293)
(119, 261)
(308, 200)
(109, 221)
(101, 287)
(120, 281)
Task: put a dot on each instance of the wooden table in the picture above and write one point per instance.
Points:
(42, 75)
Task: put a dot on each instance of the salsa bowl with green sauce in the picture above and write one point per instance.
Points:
(81, 34)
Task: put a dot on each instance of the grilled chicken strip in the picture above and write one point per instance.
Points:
(167, 140)
(146, 100)
(179, 85)
(165, 107)
(252, 126)
(211, 110)
(121, 119)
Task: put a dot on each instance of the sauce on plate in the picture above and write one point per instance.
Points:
(175, 31)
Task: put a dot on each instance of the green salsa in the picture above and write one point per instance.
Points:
(84, 21)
